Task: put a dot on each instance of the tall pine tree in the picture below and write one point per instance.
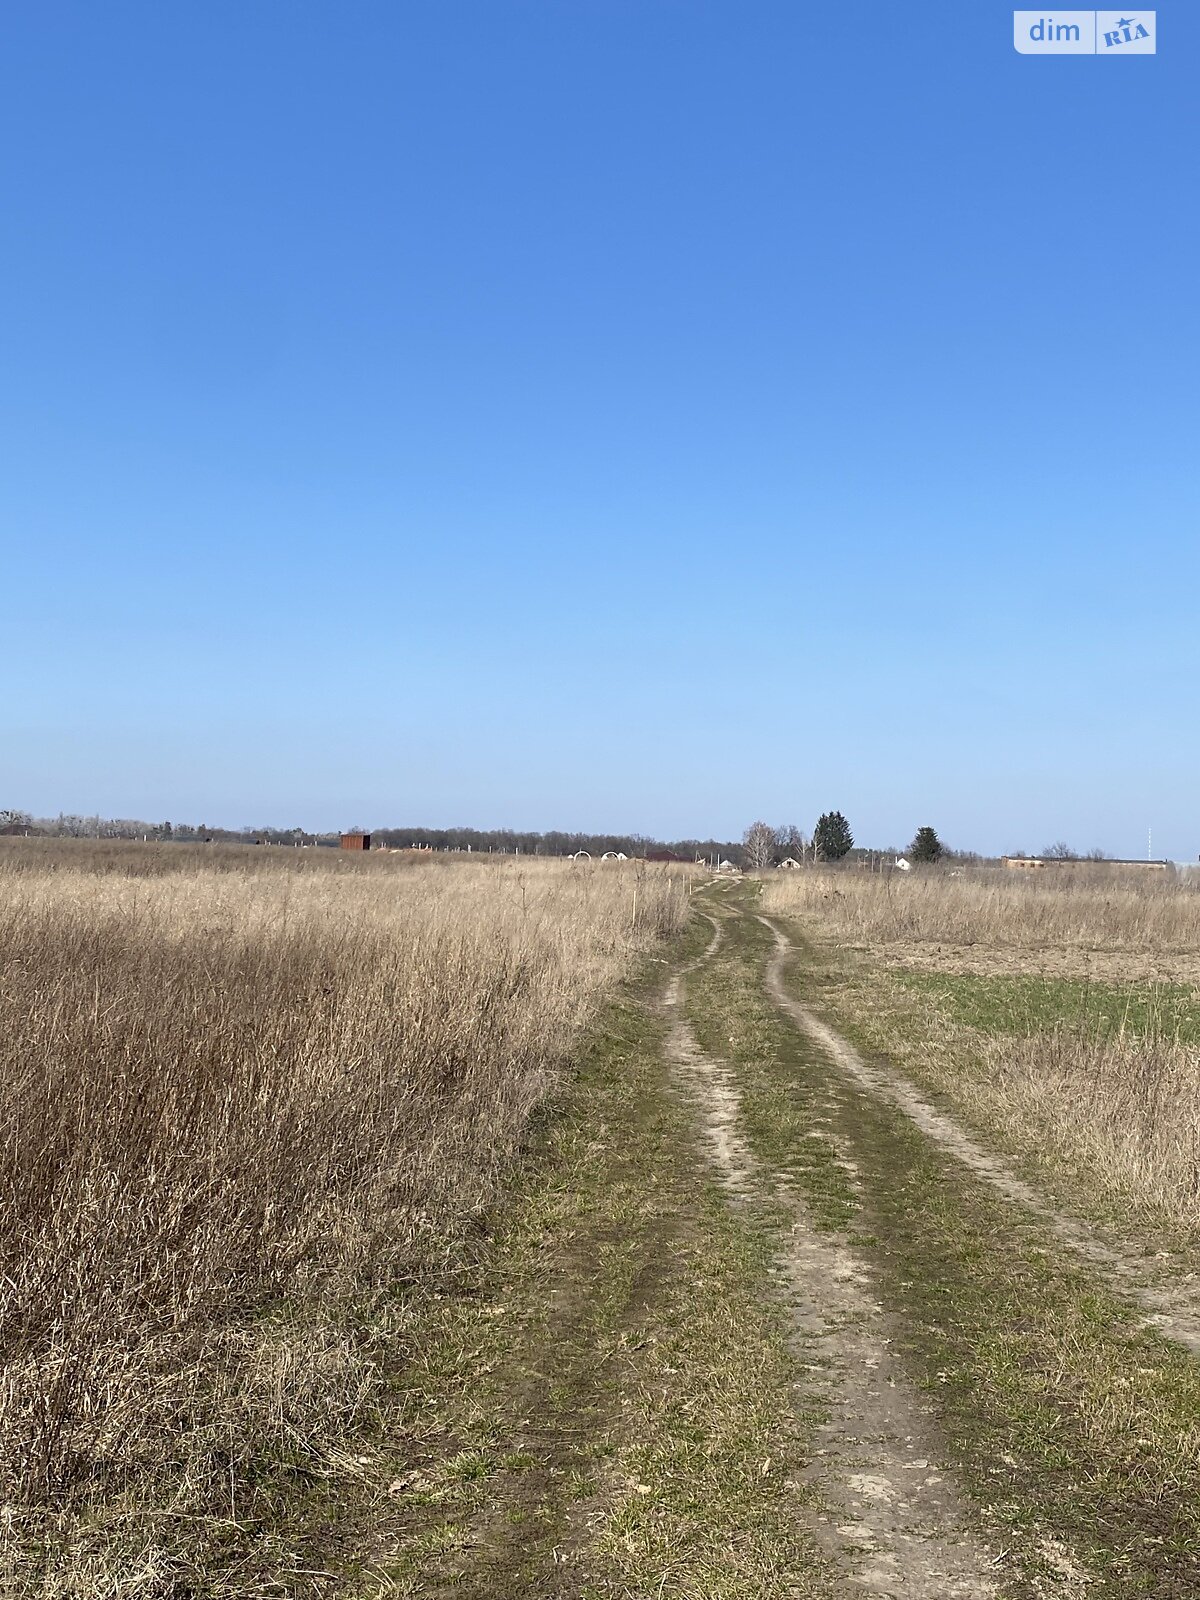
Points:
(832, 838)
(926, 846)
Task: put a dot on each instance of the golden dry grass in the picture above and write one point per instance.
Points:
(241, 1094)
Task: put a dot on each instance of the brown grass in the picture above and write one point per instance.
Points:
(1105, 911)
(1123, 1112)
(244, 1094)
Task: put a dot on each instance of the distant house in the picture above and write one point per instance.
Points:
(789, 863)
(356, 841)
(665, 855)
(728, 866)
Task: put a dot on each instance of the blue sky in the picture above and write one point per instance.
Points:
(599, 413)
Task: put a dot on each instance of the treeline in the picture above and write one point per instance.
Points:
(510, 841)
(506, 841)
(69, 826)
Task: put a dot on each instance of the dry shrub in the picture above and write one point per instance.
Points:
(240, 1094)
(1103, 909)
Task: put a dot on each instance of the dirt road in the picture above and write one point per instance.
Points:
(762, 1321)
(891, 1521)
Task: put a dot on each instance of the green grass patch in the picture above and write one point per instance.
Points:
(1024, 1005)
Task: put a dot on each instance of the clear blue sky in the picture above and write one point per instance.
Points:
(638, 414)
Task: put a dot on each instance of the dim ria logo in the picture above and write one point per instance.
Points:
(1084, 33)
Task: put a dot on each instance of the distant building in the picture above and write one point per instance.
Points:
(356, 841)
(790, 863)
(665, 855)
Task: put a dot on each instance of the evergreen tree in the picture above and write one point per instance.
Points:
(926, 846)
(832, 838)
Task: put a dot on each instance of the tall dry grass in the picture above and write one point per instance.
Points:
(1121, 1112)
(241, 1094)
(1104, 911)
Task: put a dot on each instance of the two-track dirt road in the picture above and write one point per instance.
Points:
(892, 1522)
(764, 1321)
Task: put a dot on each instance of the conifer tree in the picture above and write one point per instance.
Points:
(832, 838)
(926, 846)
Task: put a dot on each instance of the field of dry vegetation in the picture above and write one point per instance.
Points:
(1082, 910)
(1061, 1014)
(245, 1097)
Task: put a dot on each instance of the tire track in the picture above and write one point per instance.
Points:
(895, 1524)
(1173, 1313)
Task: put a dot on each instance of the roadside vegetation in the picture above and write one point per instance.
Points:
(1059, 1015)
(1091, 909)
(253, 1108)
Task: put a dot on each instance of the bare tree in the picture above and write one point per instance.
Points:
(760, 844)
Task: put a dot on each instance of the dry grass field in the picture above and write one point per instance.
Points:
(1105, 910)
(1060, 1014)
(245, 1094)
